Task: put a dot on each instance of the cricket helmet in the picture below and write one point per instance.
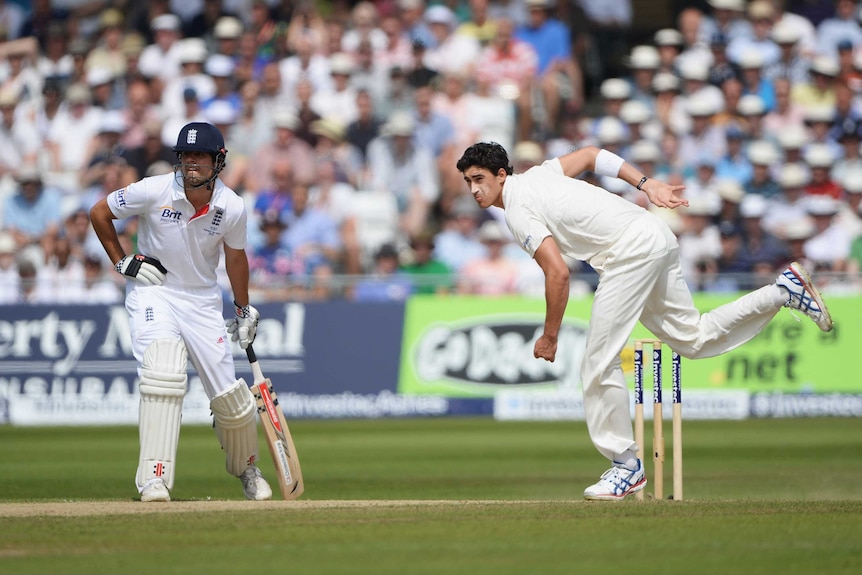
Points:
(201, 137)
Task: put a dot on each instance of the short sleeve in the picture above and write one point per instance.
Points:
(129, 201)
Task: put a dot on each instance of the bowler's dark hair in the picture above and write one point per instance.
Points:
(489, 155)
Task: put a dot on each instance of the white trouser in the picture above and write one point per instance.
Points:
(193, 317)
(654, 293)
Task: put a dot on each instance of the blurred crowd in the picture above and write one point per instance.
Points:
(343, 122)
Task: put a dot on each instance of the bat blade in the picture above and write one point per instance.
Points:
(279, 440)
(275, 429)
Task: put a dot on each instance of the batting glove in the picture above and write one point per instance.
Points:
(143, 269)
(243, 327)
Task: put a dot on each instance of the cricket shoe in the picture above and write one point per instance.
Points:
(616, 483)
(155, 490)
(254, 486)
(804, 296)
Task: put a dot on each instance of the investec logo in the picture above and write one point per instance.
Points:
(498, 350)
(169, 214)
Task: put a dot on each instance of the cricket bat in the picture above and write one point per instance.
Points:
(277, 434)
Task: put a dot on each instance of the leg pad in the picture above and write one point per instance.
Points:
(162, 388)
(236, 426)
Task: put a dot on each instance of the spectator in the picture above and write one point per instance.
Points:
(284, 146)
(305, 114)
(398, 52)
(276, 200)
(150, 151)
(820, 159)
(761, 15)
(721, 69)
(61, 279)
(305, 63)
(643, 62)
(272, 267)
(9, 278)
(419, 72)
(559, 75)
(508, 65)
(726, 19)
(752, 110)
(338, 102)
(699, 242)
(331, 147)
(19, 139)
(819, 90)
(763, 156)
(428, 274)
(480, 24)
(221, 69)
(335, 198)
(368, 74)
(366, 127)
(670, 44)
(364, 19)
(791, 65)
(386, 282)
(192, 54)
(760, 247)
(137, 113)
(751, 68)
(252, 127)
(829, 247)
(849, 213)
(450, 51)
(795, 233)
(457, 243)
(727, 273)
(32, 215)
(108, 51)
(175, 119)
(311, 235)
(78, 121)
(788, 208)
(704, 140)
(734, 165)
(160, 61)
(842, 26)
(492, 274)
(400, 166)
(103, 148)
(20, 74)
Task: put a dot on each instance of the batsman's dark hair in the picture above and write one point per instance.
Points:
(489, 155)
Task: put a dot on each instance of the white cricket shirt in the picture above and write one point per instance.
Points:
(187, 243)
(587, 222)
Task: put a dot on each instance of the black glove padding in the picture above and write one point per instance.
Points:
(143, 269)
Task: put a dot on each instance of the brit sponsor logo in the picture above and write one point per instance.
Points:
(121, 197)
(169, 214)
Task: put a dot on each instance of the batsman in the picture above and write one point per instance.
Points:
(185, 220)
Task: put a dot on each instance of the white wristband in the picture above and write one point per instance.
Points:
(608, 164)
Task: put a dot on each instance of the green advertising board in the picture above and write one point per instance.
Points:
(468, 346)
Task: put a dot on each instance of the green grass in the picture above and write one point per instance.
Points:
(762, 496)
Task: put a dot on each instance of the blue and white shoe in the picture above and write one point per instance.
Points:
(804, 296)
(616, 483)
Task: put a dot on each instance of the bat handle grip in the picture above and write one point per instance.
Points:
(256, 372)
